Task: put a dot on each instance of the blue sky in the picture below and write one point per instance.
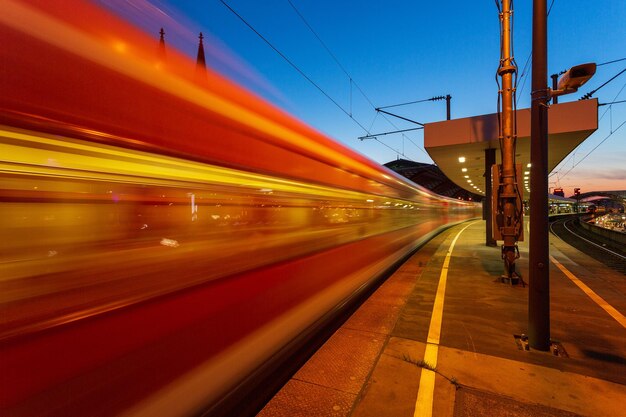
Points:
(400, 51)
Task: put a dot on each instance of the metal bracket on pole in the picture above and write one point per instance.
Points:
(399, 117)
(374, 135)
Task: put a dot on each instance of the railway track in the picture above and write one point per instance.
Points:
(570, 231)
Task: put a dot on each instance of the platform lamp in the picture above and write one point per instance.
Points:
(538, 265)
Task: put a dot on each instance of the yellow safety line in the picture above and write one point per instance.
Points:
(424, 403)
(595, 297)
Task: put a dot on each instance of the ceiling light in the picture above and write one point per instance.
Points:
(463, 169)
(528, 165)
(465, 176)
(461, 159)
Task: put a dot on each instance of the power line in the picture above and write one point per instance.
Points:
(293, 65)
(596, 147)
(611, 62)
(523, 74)
(330, 52)
(316, 85)
(318, 38)
(589, 94)
(550, 8)
(393, 149)
(404, 104)
(414, 144)
(610, 105)
(351, 79)
(405, 137)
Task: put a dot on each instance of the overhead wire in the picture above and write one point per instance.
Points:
(596, 147)
(404, 104)
(519, 209)
(303, 74)
(334, 57)
(610, 106)
(524, 74)
(589, 94)
(318, 38)
(611, 62)
(330, 52)
(611, 103)
(291, 63)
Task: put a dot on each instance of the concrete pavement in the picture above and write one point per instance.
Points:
(373, 365)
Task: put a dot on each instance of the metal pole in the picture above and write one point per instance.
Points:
(539, 285)
(490, 159)
(448, 98)
(509, 219)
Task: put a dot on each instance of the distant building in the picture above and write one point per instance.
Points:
(611, 201)
(431, 177)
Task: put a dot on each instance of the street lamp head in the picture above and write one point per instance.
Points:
(574, 78)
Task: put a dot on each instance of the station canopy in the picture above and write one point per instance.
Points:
(458, 146)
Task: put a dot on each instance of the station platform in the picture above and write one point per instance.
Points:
(419, 347)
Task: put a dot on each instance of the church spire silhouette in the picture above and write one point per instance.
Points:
(201, 61)
(162, 45)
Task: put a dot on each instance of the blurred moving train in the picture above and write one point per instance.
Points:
(163, 236)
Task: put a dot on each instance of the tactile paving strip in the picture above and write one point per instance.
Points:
(303, 399)
(344, 362)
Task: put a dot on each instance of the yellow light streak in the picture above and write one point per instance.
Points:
(39, 25)
(63, 157)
